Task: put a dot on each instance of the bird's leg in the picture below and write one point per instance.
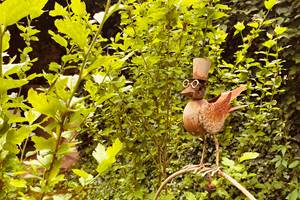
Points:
(203, 151)
(217, 150)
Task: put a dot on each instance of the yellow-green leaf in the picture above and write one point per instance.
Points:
(36, 7)
(5, 40)
(18, 183)
(81, 173)
(12, 11)
(74, 29)
(269, 4)
(239, 26)
(280, 30)
(58, 11)
(46, 104)
(78, 7)
(294, 164)
(248, 156)
(58, 39)
(253, 24)
(269, 43)
(7, 84)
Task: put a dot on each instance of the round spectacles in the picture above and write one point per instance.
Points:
(194, 83)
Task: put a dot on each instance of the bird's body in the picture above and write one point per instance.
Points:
(203, 116)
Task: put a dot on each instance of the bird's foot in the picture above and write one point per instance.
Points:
(212, 171)
(190, 166)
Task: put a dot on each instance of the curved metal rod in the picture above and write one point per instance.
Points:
(203, 168)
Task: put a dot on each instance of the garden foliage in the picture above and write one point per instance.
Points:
(124, 92)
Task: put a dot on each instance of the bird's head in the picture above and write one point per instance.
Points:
(194, 88)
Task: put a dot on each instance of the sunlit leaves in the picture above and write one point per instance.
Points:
(269, 4)
(5, 40)
(99, 17)
(85, 178)
(41, 143)
(74, 29)
(253, 24)
(248, 156)
(59, 10)
(269, 43)
(280, 30)
(239, 27)
(46, 104)
(6, 84)
(106, 158)
(18, 183)
(14, 10)
(58, 39)
(36, 7)
(78, 7)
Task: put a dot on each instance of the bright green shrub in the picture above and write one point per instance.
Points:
(58, 109)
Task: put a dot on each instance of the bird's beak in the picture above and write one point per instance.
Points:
(188, 92)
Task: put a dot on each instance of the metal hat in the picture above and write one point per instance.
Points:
(201, 67)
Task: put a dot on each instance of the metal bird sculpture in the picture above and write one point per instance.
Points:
(201, 116)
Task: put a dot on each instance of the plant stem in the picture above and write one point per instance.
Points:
(2, 32)
(85, 59)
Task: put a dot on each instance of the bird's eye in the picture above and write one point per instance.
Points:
(195, 83)
(186, 83)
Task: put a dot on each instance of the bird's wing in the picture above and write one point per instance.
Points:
(214, 117)
(235, 92)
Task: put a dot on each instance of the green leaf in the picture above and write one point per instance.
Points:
(99, 17)
(58, 11)
(269, 4)
(9, 69)
(46, 104)
(81, 173)
(21, 183)
(106, 158)
(248, 156)
(78, 7)
(18, 136)
(253, 24)
(269, 43)
(5, 41)
(228, 162)
(7, 84)
(294, 164)
(32, 115)
(114, 149)
(76, 30)
(100, 154)
(190, 196)
(36, 7)
(239, 26)
(293, 195)
(280, 30)
(58, 39)
(41, 143)
(13, 10)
